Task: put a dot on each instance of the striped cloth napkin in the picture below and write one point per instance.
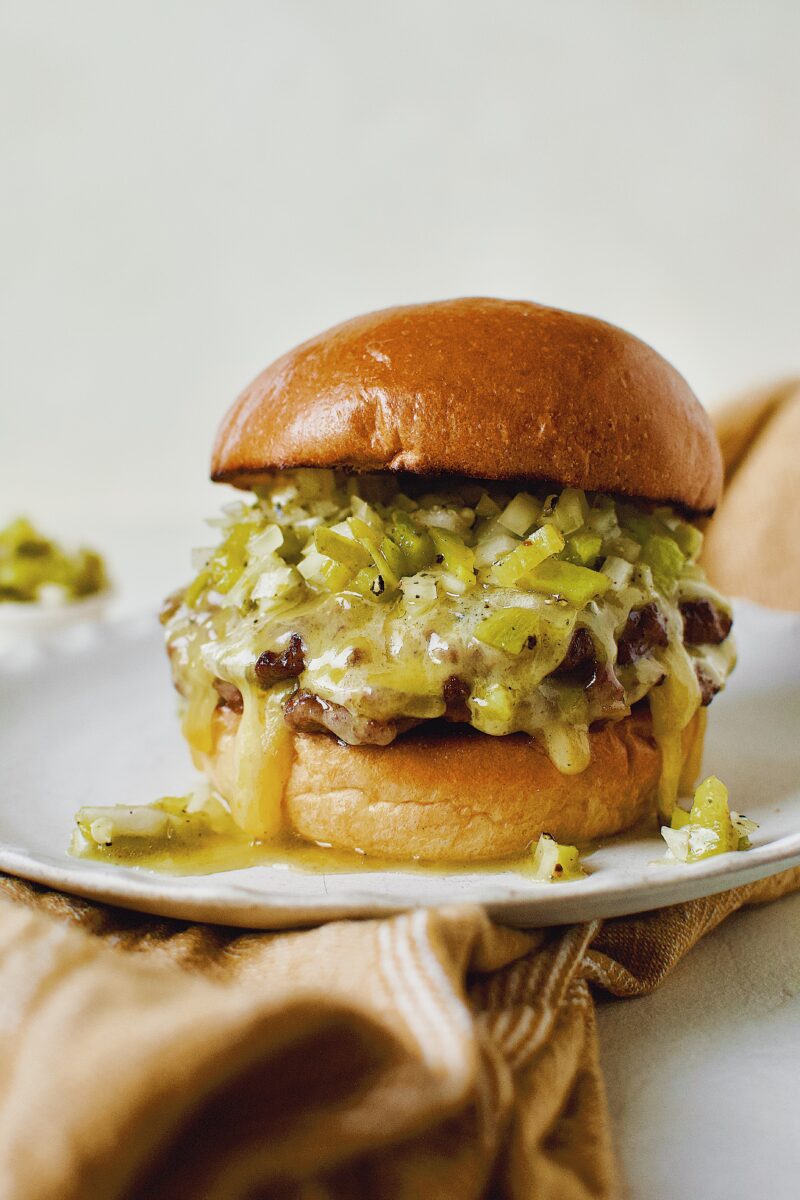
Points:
(432, 1055)
(429, 1055)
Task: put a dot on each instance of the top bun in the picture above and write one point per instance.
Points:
(488, 389)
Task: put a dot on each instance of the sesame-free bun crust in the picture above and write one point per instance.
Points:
(456, 794)
(489, 389)
(751, 547)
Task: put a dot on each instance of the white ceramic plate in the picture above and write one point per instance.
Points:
(42, 621)
(90, 719)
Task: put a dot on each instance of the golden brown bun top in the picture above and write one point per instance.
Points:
(490, 389)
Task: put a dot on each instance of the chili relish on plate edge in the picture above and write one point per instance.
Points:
(460, 606)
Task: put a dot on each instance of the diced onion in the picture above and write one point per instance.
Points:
(420, 588)
(618, 571)
(486, 506)
(419, 593)
(677, 842)
(571, 510)
(453, 520)
(521, 514)
(455, 585)
(489, 551)
(743, 826)
(266, 543)
(710, 828)
(271, 583)
(116, 821)
(311, 566)
(552, 861)
(365, 513)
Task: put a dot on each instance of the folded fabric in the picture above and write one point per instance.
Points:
(432, 1054)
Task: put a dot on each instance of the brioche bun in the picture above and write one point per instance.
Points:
(488, 389)
(456, 794)
(751, 546)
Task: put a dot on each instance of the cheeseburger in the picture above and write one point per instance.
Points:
(458, 604)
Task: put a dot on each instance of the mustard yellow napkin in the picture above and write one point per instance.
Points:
(431, 1055)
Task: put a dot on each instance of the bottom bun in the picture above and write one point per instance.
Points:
(454, 794)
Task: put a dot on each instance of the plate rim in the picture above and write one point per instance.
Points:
(189, 898)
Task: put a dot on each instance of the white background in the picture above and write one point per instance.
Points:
(189, 188)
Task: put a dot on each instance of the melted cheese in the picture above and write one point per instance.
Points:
(263, 761)
(673, 704)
